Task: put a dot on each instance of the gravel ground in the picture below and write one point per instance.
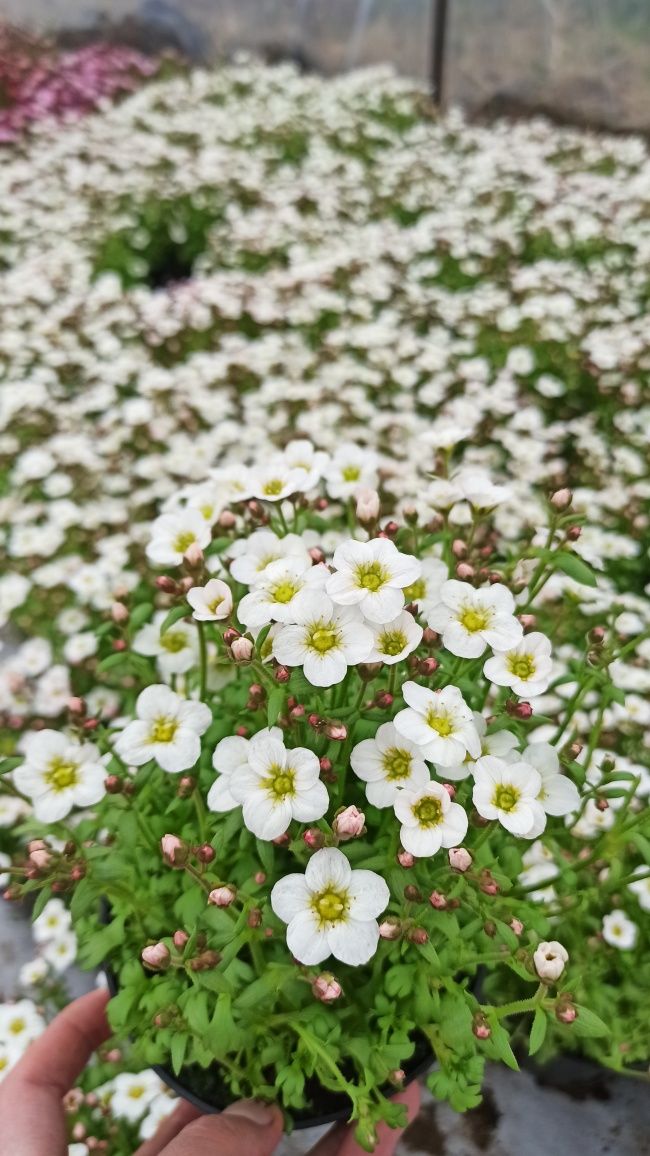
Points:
(519, 1116)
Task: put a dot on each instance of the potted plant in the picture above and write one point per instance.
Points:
(311, 823)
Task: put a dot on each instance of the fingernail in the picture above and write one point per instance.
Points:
(254, 1110)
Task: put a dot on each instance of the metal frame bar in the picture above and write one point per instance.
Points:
(439, 23)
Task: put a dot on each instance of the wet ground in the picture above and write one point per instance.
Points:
(599, 1115)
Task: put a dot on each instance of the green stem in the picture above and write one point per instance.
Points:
(203, 658)
(200, 815)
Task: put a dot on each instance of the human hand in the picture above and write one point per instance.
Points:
(33, 1117)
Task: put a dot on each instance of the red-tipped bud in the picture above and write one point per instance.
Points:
(205, 853)
(418, 935)
(430, 637)
(230, 635)
(113, 785)
(254, 917)
(186, 786)
(428, 666)
(521, 710)
(166, 584)
(316, 554)
(281, 674)
(337, 731)
(326, 987)
(516, 925)
(227, 520)
(118, 645)
(405, 859)
(77, 706)
(384, 700)
(528, 621)
(180, 939)
(314, 839)
(156, 957)
(450, 789)
(481, 1027)
(438, 900)
(573, 533)
(259, 877)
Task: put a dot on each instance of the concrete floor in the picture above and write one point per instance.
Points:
(606, 1116)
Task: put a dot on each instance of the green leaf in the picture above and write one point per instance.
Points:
(588, 1024)
(501, 1043)
(275, 704)
(45, 894)
(574, 567)
(178, 1050)
(175, 613)
(537, 1031)
(10, 764)
(140, 614)
(98, 946)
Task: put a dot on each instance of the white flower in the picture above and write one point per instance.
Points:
(274, 785)
(276, 481)
(440, 723)
(526, 668)
(158, 1111)
(53, 922)
(619, 931)
(60, 953)
(11, 810)
(350, 470)
(502, 743)
(210, 603)
(230, 756)
(324, 640)
(425, 591)
(479, 490)
(59, 774)
(20, 1024)
(509, 792)
(331, 910)
(280, 592)
(302, 456)
(176, 650)
(429, 820)
(372, 575)
(539, 867)
(33, 972)
(7, 1060)
(549, 959)
(167, 729)
(558, 794)
(251, 556)
(131, 1094)
(173, 534)
(469, 620)
(5, 861)
(78, 1149)
(641, 887)
(387, 764)
(395, 639)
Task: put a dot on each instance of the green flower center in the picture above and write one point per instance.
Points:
(273, 487)
(439, 723)
(351, 474)
(392, 642)
(163, 730)
(61, 775)
(522, 665)
(322, 637)
(330, 906)
(281, 782)
(371, 576)
(506, 798)
(416, 592)
(428, 812)
(397, 764)
(284, 591)
(182, 541)
(174, 641)
(474, 620)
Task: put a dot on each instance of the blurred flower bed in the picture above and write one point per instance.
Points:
(228, 261)
(38, 81)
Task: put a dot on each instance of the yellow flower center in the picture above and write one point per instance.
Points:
(521, 665)
(439, 723)
(215, 604)
(16, 1027)
(284, 591)
(416, 592)
(330, 906)
(174, 641)
(281, 782)
(506, 798)
(322, 637)
(397, 763)
(371, 576)
(183, 540)
(351, 474)
(136, 1092)
(266, 561)
(428, 812)
(61, 775)
(392, 642)
(163, 730)
(474, 620)
(273, 487)
(207, 512)
(4, 1063)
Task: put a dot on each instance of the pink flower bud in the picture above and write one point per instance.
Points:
(314, 839)
(194, 555)
(227, 520)
(573, 533)
(481, 1027)
(522, 710)
(242, 649)
(260, 877)
(418, 935)
(528, 621)
(326, 987)
(464, 570)
(405, 859)
(566, 1013)
(156, 957)
(349, 824)
(175, 851)
(39, 853)
(367, 505)
(384, 700)
(205, 853)
(460, 859)
(397, 1077)
(119, 613)
(428, 666)
(186, 786)
(517, 926)
(254, 917)
(114, 1056)
(166, 584)
(222, 896)
(180, 939)
(390, 929)
(337, 731)
(282, 674)
(561, 499)
(316, 554)
(450, 789)
(458, 548)
(430, 637)
(76, 705)
(437, 900)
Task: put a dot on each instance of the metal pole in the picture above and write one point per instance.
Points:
(438, 48)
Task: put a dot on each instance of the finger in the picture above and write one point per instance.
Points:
(30, 1097)
(248, 1128)
(182, 1115)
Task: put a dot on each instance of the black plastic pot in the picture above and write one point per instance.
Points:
(204, 1087)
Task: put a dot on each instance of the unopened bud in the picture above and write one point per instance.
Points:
(412, 894)
(418, 935)
(227, 520)
(259, 877)
(77, 705)
(156, 957)
(438, 900)
(337, 731)
(429, 637)
(428, 666)
(369, 670)
(186, 786)
(450, 789)
(222, 896)
(390, 929)
(521, 710)
(90, 724)
(118, 645)
(528, 621)
(460, 859)
(367, 506)
(326, 987)
(490, 928)
(384, 700)
(573, 533)
(464, 571)
(242, 650)
(166, 584)
(39, 853)
(516, 925)
(254, 917)
(405, 859)
(314, 839)
(205, 853)
(459, 548)
(480, 1027)
(566, 1013)
(119, 613)
(317, 555)
(113, 785)
(230, 635)
(597, 635)
(205, 961)
(281, 674)
(180, 939)
(561, 499)
(175, 851)
(349, 824)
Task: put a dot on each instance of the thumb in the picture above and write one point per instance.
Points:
(247, 1128)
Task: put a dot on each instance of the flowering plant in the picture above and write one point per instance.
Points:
(328, 801)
